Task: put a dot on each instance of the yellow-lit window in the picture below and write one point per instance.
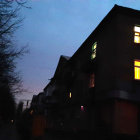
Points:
(137, 69)
(94, 46)
(70, 95)
(137, 34)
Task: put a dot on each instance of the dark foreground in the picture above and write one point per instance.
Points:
(9, 132)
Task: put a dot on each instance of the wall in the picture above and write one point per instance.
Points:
(127, 52)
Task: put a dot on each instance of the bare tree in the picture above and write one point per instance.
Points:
(10, 21)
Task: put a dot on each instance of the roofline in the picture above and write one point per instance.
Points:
(54, 76)
(111, 13)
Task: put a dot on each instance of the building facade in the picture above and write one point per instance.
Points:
(98, 88)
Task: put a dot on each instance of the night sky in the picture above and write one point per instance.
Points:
(53, 28)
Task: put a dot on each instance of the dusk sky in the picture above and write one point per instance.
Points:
(53, 28)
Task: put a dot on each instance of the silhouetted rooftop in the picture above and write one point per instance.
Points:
(114, 11)
(66, 57)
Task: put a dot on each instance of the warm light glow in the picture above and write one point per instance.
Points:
(137, 63)
(94, 46)
(70, 95)
(93, 55)
(92, 79)
(82, 108)
(137, 70)
(137, 34)
(31, 112)
(137, 39)
(137, 29)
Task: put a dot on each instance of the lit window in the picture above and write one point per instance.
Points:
(70, 95)
(82, 108)
(92, 81)
(94, 46)
(137, 69)
(137, 34)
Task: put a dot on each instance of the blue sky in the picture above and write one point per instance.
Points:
(53, 28)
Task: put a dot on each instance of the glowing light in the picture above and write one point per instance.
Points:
(94, 46)
(137, 39)
(12, 121)
(93, 55)
(137, 63)
(137, 70)
(137, 34)
(137, 29)
(31, 112)
(82, 108)
(70, 95)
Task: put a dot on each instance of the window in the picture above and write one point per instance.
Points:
(137, 34)
(70, 95)
(92, 81)
(137, 69)
(82, 108)
(94, 46)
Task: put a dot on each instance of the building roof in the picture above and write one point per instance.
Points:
(114, 11)
(66, 57)
(62, 61)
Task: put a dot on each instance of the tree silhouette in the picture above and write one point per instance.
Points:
(10, 81)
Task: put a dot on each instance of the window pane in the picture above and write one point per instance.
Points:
(70, 95)
(137, 29)
(137, 39)
(93, 55)
(92, 80)
(137, 63)
(94, 46)
(137, 73)
(137, 34)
